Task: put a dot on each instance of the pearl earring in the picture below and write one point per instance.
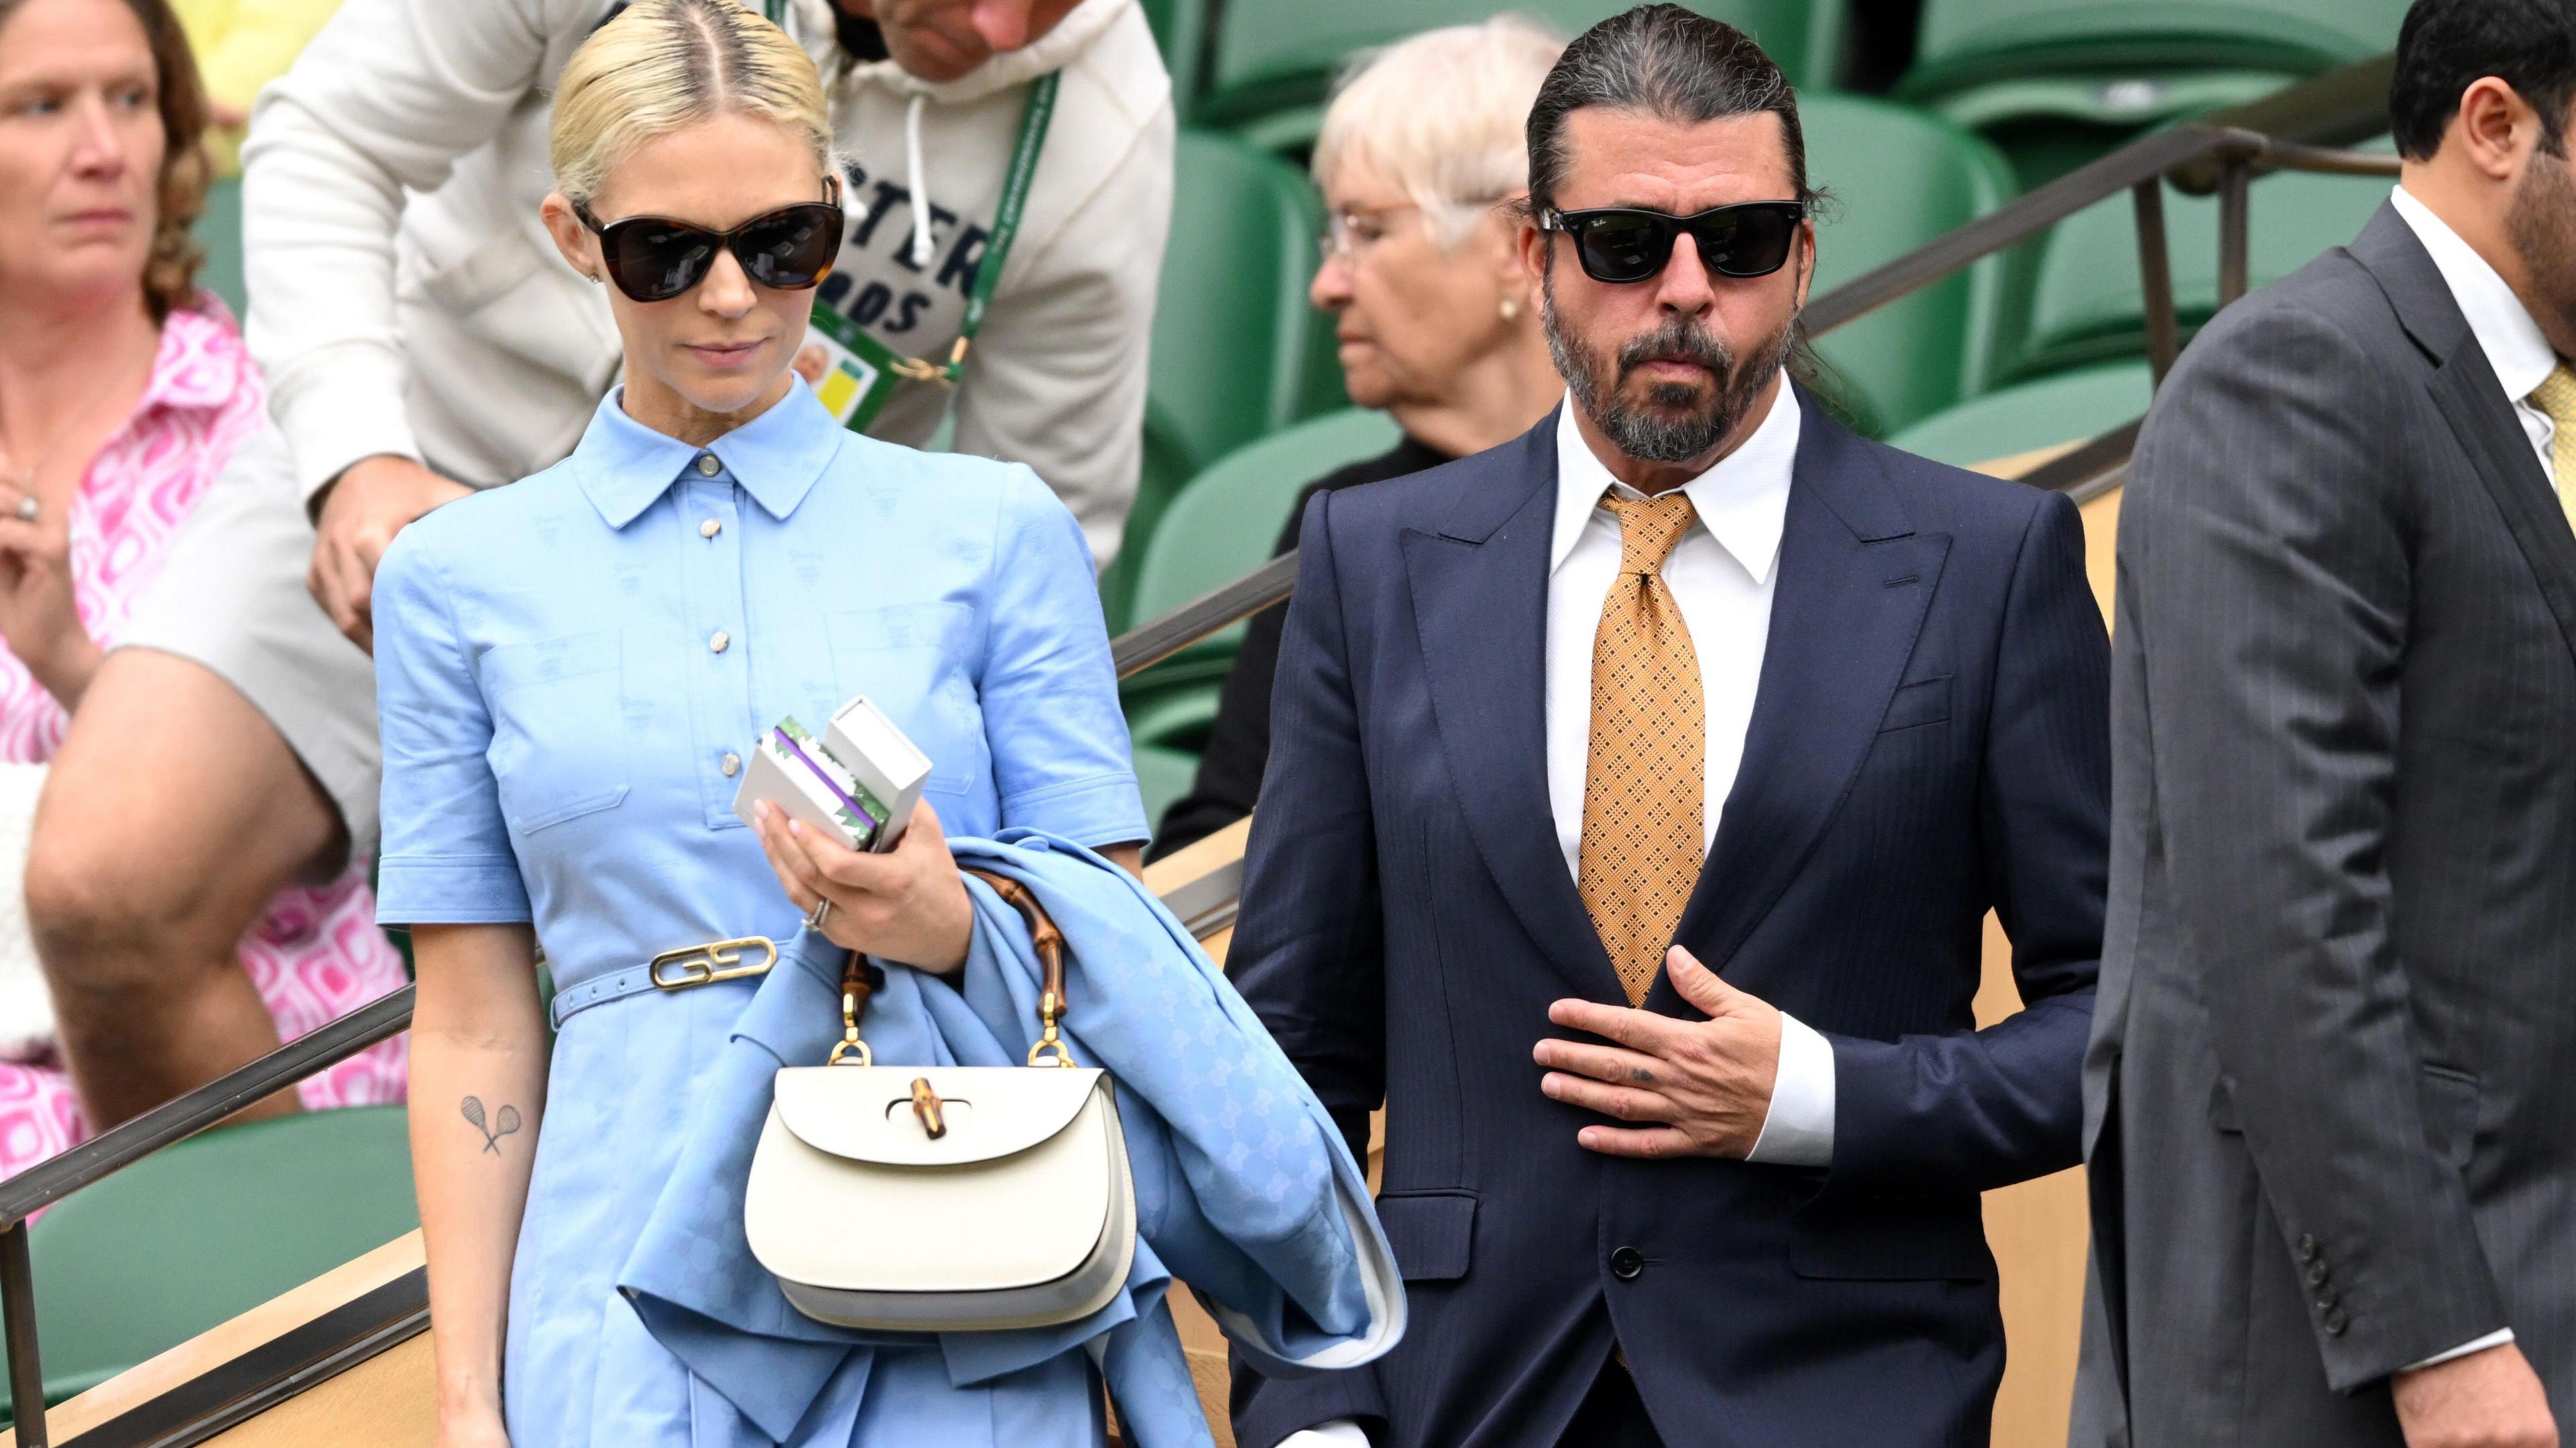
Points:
(1511, 309)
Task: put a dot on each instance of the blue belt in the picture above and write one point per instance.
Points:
(686, 968)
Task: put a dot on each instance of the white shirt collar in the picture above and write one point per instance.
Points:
(1743, 501)
(2515, 348)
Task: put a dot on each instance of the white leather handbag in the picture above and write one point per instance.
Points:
(945, 1199)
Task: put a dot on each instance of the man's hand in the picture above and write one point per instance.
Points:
(2488, 1399)
(369, 503)
(1707, 1084)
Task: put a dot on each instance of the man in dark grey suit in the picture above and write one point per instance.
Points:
(2331, 1094)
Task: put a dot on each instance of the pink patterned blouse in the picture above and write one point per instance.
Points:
(317, 954)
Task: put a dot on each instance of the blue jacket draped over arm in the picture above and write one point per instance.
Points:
(1244, 1188)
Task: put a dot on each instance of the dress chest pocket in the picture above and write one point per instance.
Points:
(559, 747)
(916, 662)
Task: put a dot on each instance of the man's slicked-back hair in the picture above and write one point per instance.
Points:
(1669, 63)
(2445, 46)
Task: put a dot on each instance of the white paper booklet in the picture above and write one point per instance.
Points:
(858, 782)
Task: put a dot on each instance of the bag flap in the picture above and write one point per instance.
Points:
(865, 1113)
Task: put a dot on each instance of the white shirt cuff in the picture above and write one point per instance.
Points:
(1799, 1129)
(1339, 1433)
(2497, 1338)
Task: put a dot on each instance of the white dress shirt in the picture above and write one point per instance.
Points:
(1721, 573)
(2522, 359)
(2520, 356)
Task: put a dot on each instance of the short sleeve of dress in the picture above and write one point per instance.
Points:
(1049, 691)
(447, 858)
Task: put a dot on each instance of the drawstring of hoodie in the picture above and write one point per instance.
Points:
(918, 182)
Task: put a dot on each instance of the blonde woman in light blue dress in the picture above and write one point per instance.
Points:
(571, 671)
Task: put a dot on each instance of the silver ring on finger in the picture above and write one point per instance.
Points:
(821, 912)
(26, 508)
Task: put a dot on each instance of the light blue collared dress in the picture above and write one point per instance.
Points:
(570, 671)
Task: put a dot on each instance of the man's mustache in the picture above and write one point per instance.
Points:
(1678, 340)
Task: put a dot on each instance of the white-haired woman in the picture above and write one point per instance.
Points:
(1421, 145)
(570, 670)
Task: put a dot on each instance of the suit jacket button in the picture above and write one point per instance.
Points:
(2316, 1274)
(1627, 1264)
(2335, 1322)
(2307, 1248)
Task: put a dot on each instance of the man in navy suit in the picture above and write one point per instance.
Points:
(1637, 794)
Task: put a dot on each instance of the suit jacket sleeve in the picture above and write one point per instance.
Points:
(2268, 544)
(1308, 948)
(1972, 1111)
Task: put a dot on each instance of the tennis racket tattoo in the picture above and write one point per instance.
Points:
(503, 1123)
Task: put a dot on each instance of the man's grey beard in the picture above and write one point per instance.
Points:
(1672, 432)
(2541, 223)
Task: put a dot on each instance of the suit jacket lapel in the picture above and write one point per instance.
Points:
(2472, 401)
(1855, 581)
(1479, 590)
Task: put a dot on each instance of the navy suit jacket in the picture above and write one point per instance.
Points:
(1929, 741)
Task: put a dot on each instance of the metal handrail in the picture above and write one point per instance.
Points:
(2141, 167)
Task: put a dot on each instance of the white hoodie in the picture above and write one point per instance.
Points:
(406, 299)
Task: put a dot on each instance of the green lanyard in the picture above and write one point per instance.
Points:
(863, 372)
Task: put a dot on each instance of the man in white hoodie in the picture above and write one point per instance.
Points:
(423, 338)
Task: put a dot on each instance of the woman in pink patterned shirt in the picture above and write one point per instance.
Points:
(123, 390)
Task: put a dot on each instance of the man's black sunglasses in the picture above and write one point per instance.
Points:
(654, 259)
(1618, 244)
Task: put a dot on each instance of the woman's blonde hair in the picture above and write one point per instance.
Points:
(1443, 116)
(660, 65)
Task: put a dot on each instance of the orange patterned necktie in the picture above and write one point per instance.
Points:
(2556, 397)
(1643, 776)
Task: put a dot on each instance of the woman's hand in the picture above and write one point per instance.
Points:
(908, 905)
(39, 617)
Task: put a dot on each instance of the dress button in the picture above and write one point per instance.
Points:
(708, 466)
(2335, 1323)
(1627, 1264)
(732, 765)
(710, 528)
(718, 642)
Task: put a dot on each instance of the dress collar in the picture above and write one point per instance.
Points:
(199, 363)
(624, 465)
(1743, 501)
(2502, 325)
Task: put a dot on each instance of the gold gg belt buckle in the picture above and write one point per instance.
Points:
(697, 965)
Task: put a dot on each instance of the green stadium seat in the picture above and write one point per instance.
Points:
(1223, 524)
(1237, 350)
(1180, 31)
(1272, 62)
(2057, 81)
(2086, 302)
(1167, 730)
(219, 231)
(194, 1236)
(2064, 408)
(1163, 774)
(1901, 179)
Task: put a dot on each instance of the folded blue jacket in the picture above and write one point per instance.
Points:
(1244, 1189)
